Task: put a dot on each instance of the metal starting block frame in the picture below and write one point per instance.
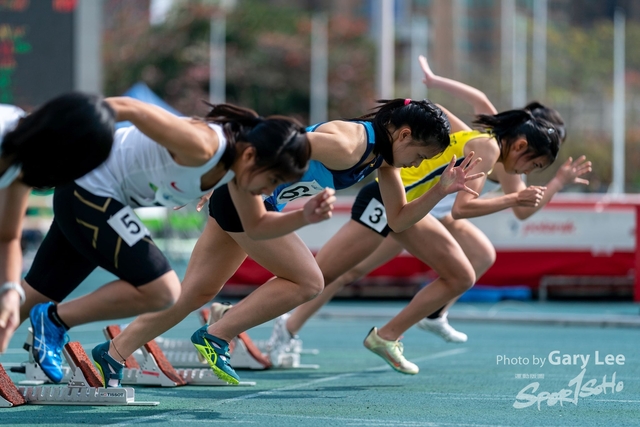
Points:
(152, 368)
(205, 315)
(182, 353)
(244, 352)
(84, 388)
(296, 348)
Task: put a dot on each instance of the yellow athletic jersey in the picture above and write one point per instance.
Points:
(418, 181)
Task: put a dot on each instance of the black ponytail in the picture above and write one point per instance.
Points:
(62, 140)
(280, 142)
(549, 114)
(543, 138)
(429, 126)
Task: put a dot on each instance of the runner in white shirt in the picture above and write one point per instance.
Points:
(162, 160)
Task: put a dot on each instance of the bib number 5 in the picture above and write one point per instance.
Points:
(128, 226)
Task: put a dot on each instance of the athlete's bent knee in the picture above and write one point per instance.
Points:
(462, 281)
(163, 296)
(486, 261)
(313, 285)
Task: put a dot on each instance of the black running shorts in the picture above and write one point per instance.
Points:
(80, 239)
(222, 209)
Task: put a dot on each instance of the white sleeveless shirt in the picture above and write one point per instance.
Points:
(140, 172)
(10, 115)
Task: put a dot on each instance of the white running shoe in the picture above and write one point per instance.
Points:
(440, 326)
(281, 338)
(391, 352)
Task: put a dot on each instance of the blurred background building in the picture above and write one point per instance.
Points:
(560, 52)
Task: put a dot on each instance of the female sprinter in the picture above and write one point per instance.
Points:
(399, 133)
(514, 142)
(473, 242)
(162, 160)
(60, 141)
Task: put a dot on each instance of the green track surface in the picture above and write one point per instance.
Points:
(458, 384)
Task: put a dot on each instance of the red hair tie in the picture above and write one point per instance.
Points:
(407, 101)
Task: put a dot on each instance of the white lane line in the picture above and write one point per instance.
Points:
(336, 377)
(165, 417)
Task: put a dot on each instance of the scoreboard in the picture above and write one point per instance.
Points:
(36, 50)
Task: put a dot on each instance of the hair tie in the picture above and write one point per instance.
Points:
(407, 101)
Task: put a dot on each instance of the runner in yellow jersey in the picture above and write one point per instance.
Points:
(513, 143)
(421, 179)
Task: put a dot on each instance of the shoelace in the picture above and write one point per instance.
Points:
(225, 356)
(43, 347)
(399, 347)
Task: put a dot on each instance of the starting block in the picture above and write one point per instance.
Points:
(296, 347)
(9, 393)
(84, 388)
(217, 310)
(154, 369)
(244, 352)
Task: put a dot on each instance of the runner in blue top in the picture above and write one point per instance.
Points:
(399, 133)
(318, 176)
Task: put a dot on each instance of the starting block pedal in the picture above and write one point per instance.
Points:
(244, 352)
(84, 388)
(215, 311)
(9, 394)
(154, 369)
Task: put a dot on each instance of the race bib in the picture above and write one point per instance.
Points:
(298, 190)
(375, 216)
(128, 226)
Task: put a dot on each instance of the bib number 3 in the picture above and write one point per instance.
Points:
(375, 216)
(128, 226)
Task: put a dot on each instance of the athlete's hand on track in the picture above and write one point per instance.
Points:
(9, 317)
(571, 171)
(531, 196)
(454, 178)
(428, 74)
(319, 207)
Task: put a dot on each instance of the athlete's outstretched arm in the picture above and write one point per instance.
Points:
(191, 142)
(260, 224)
(402, 215)
(570, 172)
(468, 205)
(13, 204)
(474, 97)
